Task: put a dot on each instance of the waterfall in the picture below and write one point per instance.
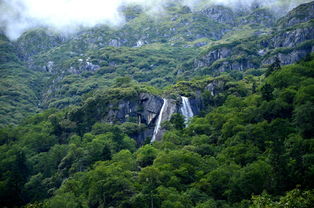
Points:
(186, 109)
(159, 120)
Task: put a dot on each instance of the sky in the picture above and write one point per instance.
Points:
(67, 16)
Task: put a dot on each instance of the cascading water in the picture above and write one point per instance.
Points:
(186, 109)
(157, 127)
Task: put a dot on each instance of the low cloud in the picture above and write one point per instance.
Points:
(68, 16)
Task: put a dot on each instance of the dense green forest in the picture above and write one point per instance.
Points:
(252, 148)
(78, 112)
(19, 97)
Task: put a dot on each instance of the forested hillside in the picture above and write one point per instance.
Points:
(179, 45)
(209, 107)
(256, 140)
(20, 87)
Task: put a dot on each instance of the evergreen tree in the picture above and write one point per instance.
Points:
(275, 66)
(267, 92)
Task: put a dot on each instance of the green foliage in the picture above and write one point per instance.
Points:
(253, 136)
(242, 146)
(267, 92)
(20, 87)
(177, 121)
(146, 155)
(294, 198)
(273, 67)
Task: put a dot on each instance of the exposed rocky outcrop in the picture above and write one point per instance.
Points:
(235, 64)
(196, 105)
(220, 14)
(215, 87)
(37, 41)
(290, 45)
(146, 109)
(300, 14)
(227, 58)
(121, 112)
(293, 37)
(213, 56)
(260, 17)
(290, 57)
(142, 37)
(143, 109)
(114, 43)
(82, 66)
(168, 110)
(151, 107)
(78, 66)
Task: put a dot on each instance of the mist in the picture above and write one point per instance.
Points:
(68, 16)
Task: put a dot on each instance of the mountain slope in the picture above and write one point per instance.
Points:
(178, 46)
(20, 87)
(289, 44)
(97, 98)
(253, 136)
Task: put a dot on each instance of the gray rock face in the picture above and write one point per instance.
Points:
(213, 56)
(114, 43)
(215, 87)
(139, 43)
(260, 17)
(151, 105)
(291, 57)
(239, 65)
(144, 109)
(169, 109)
(291, 38)
(295, 42)
(200, 44)
(126, 109)
(196, 105)
(211, 88)
(49, 67)
(82, 66)
(220, 14)
(302, 13)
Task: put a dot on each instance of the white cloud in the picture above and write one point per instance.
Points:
(62, 15)
(66, 16)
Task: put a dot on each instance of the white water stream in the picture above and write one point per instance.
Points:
(158, 124)
(186, 109)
